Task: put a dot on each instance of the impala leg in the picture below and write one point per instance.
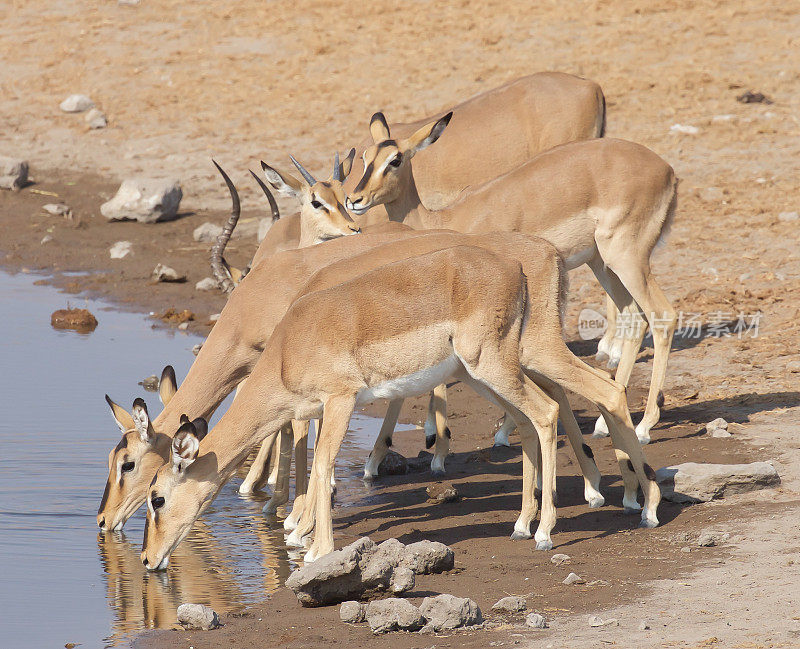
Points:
(606, 342)
(256, 476)
(384, 440)
(280, 496)
(442, 450)
(274, 465)
(307, 517)
(507, 426)
(337, 417)
(300, 429)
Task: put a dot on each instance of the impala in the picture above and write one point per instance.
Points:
(462, 311)
(602, 202)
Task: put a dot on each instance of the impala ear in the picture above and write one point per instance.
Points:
(282, 181)
(184, 419)
(185, 447)
(141, 421)
(200, 427)
(378, 128)
(122, 416)
(347, 165)
(168, 386)
(428, 134)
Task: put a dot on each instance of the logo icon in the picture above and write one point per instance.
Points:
(591, 324)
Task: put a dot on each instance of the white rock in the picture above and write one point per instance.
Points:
(145, 200)
(121, 249)
(391, 614)
(183, 326)
(76, 104)
(206, 284)
(573, 578)
(644, 626)
(693, 482)
(196, 349)
(685, 129)
(214, 317)
(510, 604)
(717, 424)
(535, 621)
(446, 612)
(162, 273)
(95, 119)
(727, 117)
(596, 621)
(13, 173)
(558, 559)
(720, 433)
(352, 612)
(56, 209)
(207, 232)
(197, 616)
(47, 239)
(788, 217)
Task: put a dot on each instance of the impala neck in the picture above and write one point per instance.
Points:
(408, 208)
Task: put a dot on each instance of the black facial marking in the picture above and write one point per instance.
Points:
(365, 178)
(388, 442)
(146, 530)
(447, 432)
(430, 440)
(630, 466)
(385, 143)
(123, 443)
(648, 471)
(104, 499)
(587, 450)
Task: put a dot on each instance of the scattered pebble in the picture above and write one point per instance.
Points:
(510, 604)
(535, 621)
(206, 284)
(13, 173)
(197, 616)
(685, 129)
(183, 326)
(708, 538)
(442, 492)
(207, 232)
(76, 104)
(151, 383)
(95, 119)
(162, 273)
(596, 621)
(145, 200)
(751, 97)
(78, 319)
(57, 209)
(213, 317)
(46, 239)
(572, 578)
(121, 249)
(718, 428)
(558, 559)
(723, 118)
(788, 217)
(686, 549)
(644, 626)
(196, 349)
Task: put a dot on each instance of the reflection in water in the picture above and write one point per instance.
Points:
(53, 466)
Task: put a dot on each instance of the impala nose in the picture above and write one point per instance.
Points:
(101, 522)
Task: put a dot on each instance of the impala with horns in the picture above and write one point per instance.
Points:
(484, 322)
(603, 202)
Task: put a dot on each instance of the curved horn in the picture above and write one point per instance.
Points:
(273, 204)
(308, 177)
(337, 170)
(217, 262)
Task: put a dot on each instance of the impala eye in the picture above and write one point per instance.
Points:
(316, 204)
(127, 466)
(396, 162)
(157, 501)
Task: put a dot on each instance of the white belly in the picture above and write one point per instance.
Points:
(411, 385)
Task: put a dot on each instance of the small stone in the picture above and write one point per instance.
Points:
(57, 209)
(721, 432)
(597, 621)
(162, 273)
(535, 621)
(510, 604)
(145, 200)
(716, 424)
(197, 616)
(392, 614)
(13, 173)
(686, 549)
(207, 232)
(788, 217)
(79, 319)
(684, 129)
(573, 578)
(151, 383)
(558, 559)
(183, 326)
(446, 612)
(46, 239)
(196, 349)
(352, 612)
(76, 104)
(213, 317)
(121, 249)
(708, 538)
(751, 97)
(442, 492)
(712, 194)
(643, 626)
(206, 284)
(393, 464)
(95, 119)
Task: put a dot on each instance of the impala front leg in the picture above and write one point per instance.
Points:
(280, 496)
(338, 411)
(256, 476)
(300, 429)
(384, 441)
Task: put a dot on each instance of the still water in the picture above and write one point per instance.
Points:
(61, 580)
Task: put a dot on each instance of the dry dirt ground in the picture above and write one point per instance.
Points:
(243, 81)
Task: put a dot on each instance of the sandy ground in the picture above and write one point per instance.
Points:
(248, 80)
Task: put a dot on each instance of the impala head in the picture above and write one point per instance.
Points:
(134, 461)
(387, 163)
(177, 495)
(322, 212)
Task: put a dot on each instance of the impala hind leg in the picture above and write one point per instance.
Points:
(280, 496)
(305, 524)
(438, 403)
(604, 344)
(507, 426)
(337, 417)
(300, 429)
(257, 475)
(384, 441)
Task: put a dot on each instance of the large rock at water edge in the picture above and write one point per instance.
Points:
(197, 616)
(445, 612)
(145, 200)
(13, 173)
(393, 614)
(693, 482)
